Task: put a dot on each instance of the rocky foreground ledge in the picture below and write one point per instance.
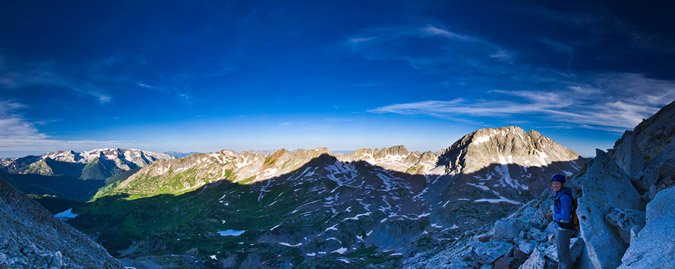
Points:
(30, 237)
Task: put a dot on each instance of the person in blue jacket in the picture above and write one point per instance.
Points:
(562, 215)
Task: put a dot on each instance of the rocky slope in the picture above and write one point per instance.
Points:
(625, 212)
(314, 208)
(95, 164)
(30, 237)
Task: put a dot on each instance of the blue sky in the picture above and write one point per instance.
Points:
(211, 75)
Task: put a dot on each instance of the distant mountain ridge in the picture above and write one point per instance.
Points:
(75, 175)
(509, 147)
(95, 164)
(176, 154)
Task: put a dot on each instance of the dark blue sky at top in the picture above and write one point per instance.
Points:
(211, 75)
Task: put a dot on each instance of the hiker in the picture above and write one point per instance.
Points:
(564, 218)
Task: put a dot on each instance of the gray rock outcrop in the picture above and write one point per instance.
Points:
(646, 152)
(624, 220)
(654, 246)
(30, 237)
(489, 252)
(604, 186)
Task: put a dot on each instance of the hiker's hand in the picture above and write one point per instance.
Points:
(549, 214)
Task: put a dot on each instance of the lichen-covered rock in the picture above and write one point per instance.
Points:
(604, 186)
(661, 184)
(507, 228)
(624, 219)
(487, 253)
(654, 246)
(526, 248)
(538, 235)
(535, 261)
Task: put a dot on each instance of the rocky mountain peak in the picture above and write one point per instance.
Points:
(506, 145)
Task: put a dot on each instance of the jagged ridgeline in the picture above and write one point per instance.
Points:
(75, 175)
(316, 208)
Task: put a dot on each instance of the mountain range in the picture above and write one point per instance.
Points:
(480, 202)
(313, 207)
(75, 175)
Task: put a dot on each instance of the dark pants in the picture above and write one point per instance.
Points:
(562, 244)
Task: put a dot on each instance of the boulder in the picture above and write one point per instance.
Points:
(658, 167)
(518, 254)
(527, 248)
(628, 155)
(550, 229)
(624, 219)
(576, 246)
(538, 236)
(654, 246)
(57, 260)
(536, 261)
(604, 186)
(507, 229)
(487, 253)
(503, 263)
(660, 185)
(484, 237)
(540, 219)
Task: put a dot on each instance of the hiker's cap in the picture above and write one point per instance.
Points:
(558, 177)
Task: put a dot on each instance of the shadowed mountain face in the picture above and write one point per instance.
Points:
(313, 208)
(30, 237)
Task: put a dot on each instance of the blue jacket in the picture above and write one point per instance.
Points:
(562, 207)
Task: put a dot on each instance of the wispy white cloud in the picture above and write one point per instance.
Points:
(444, 48)
(435, 31)
(612, 102)
(141, 84)
(13, 126)
(20, 135)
